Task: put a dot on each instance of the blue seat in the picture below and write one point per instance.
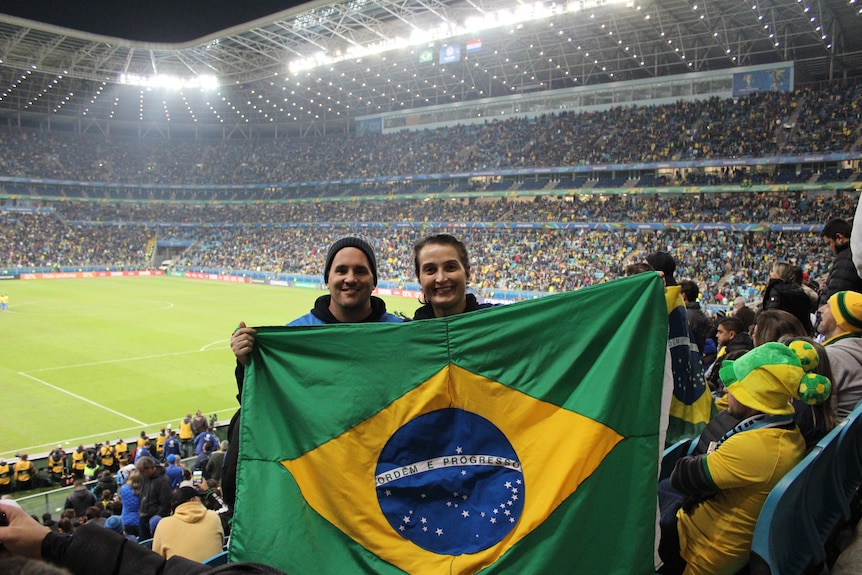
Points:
(673, 454)
(785, 541)
(217, 559)
(850, 457)
(825, 504)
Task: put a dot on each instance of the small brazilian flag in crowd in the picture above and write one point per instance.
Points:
(691, 405)
(514, 439)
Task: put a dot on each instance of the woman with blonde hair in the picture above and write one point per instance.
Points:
(130, 495)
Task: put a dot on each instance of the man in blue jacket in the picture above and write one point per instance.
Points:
(350, 274)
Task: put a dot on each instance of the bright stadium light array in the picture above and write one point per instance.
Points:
(203, 81)
(504, 17)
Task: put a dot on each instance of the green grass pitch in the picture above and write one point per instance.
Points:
(86, 360)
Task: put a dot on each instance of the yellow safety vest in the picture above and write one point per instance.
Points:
(107, 453)
(5, 474)
(22, 471)
(78, 460)
(122, 451)
(55, 463)
(186, 430)
(160, 441)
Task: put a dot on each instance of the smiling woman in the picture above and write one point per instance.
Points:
(443, 269)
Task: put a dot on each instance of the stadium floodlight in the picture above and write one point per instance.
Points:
(503, 17)
(203, 81)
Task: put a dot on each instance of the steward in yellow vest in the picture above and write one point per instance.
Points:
(57, 463)
(5, 477)
(106, 456)
(78, 463)
(25, 473)
(121, 450)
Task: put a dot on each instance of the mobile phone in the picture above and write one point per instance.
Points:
(197, 477)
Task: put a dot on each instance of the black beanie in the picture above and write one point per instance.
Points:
(350, 242)
(663, 262)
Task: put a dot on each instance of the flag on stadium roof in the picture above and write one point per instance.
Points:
(518, 439)
(474, 45)
(426, 55)
(450, 53)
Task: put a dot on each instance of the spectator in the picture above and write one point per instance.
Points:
(699, 325)
(193, 531)
(783, 293)
(174, 471)
(442, 267)
(206, 437)
(106, 482)
(115, 524)
(49, 522)
(814, 421)
(743, 313)
(130, 495)
(841, 324)
(350, 274)
(730, 337)
(774, 323)
(115, 555)
(80, 498)
(214, 465)
(199, 423)
(172, 445)
(202, 460)
(708, 516)
(842, 274)
(155, 494)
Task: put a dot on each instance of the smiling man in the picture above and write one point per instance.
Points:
(350, 274)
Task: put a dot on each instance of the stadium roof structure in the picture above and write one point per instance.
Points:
(280, 67)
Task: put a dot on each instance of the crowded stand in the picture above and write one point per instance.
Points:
(728, 243)
(511, 253)
(759, 125)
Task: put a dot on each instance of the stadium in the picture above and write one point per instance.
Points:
(165, 175)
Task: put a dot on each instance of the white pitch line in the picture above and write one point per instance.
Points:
(120, 360)
(209, 345)
(90, 401)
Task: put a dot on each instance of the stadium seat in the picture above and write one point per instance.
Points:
(672, 454)
(785, 539)
(850, 457)
(825, 504)
(217, 559)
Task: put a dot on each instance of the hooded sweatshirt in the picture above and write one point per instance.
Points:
(193, 532)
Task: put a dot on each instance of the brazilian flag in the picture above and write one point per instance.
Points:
(691, 406)
(514, 439)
